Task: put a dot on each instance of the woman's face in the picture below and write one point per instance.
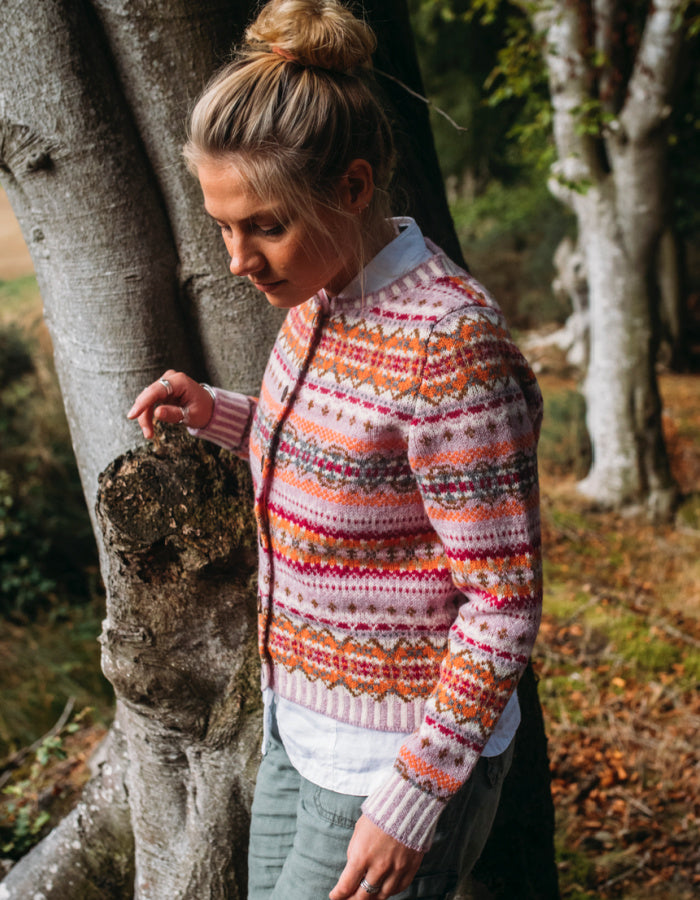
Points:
(282, 258)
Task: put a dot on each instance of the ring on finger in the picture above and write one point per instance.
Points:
(370, 888)
(166, 384)
(185, 413)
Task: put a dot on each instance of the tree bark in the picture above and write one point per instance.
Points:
(81, 187)
(164, 52)
(673, 310)
(616, 183)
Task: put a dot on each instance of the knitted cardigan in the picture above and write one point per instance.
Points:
(393, 451)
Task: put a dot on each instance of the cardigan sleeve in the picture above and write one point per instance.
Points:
(230, 422)
(473, 452)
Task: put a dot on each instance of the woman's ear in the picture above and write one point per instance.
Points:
(357, 186)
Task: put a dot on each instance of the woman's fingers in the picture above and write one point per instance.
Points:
(380, 860)
(359, 883)
(174, 398)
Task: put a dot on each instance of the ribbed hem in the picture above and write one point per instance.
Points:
(230, 420)
(405, 812)
(390, 714)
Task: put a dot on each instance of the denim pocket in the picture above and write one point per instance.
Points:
(342, 810)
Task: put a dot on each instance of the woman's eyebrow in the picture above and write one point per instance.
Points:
(273, 213)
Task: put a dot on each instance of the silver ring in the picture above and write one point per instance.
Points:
(370, 888)
(166, 384)
(185, 413)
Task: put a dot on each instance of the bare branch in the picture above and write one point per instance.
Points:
(570, 82)
(604, 33)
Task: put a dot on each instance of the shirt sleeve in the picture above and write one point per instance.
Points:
(230, 422)
(473, 451)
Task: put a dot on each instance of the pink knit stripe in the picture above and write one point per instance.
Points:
(502, 551)
(382, 630)
(353, 399)
(312, 526)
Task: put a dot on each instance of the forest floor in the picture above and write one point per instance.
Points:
(618, 658)
(618, 661)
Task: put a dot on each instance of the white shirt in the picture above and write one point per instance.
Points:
(332, 754)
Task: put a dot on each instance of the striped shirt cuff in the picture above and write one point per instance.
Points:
(229, 425)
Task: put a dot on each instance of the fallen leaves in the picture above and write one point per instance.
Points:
(618, 658)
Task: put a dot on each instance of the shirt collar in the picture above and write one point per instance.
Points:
(404, 253)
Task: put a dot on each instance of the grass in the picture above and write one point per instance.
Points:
(19, 299)
(42, 665)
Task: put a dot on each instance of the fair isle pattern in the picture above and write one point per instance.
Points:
(394, 456)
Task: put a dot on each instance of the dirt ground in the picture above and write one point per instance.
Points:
(14, 256)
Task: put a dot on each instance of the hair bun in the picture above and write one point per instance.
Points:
(321, 33)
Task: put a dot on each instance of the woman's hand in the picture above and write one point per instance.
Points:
(378, 858)
(174, 398)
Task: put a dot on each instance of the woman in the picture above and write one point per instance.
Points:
(393, 451)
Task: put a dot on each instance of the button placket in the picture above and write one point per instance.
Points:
(268, 455)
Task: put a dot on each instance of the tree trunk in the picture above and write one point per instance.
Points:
(673, 310)
(419, 191)
(179, 646)
(623, 404)
(164, 52)
(82, 190)
(134, 279)
(167, 815)
(616, 183)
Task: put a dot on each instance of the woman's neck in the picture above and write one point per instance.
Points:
(369, 245)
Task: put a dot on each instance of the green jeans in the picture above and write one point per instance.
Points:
(300, 832)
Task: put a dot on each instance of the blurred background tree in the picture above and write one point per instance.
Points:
(604, 95)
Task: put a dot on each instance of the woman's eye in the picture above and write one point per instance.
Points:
(271, 230)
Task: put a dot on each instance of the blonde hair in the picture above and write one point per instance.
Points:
(294, 108)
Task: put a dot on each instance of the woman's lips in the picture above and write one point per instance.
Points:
(267, 287)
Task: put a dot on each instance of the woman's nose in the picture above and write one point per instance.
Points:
(245, 259)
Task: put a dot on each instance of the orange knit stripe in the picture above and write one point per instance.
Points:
(509, 506)
(326, 435)
(380, 500)
(470, 455)
(423, 769)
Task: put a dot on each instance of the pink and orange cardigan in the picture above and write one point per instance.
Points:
(393, 451)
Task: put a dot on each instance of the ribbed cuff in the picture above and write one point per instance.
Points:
(229, 425)
(405, 812)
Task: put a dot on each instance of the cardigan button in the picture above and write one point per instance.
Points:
(284, 393)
